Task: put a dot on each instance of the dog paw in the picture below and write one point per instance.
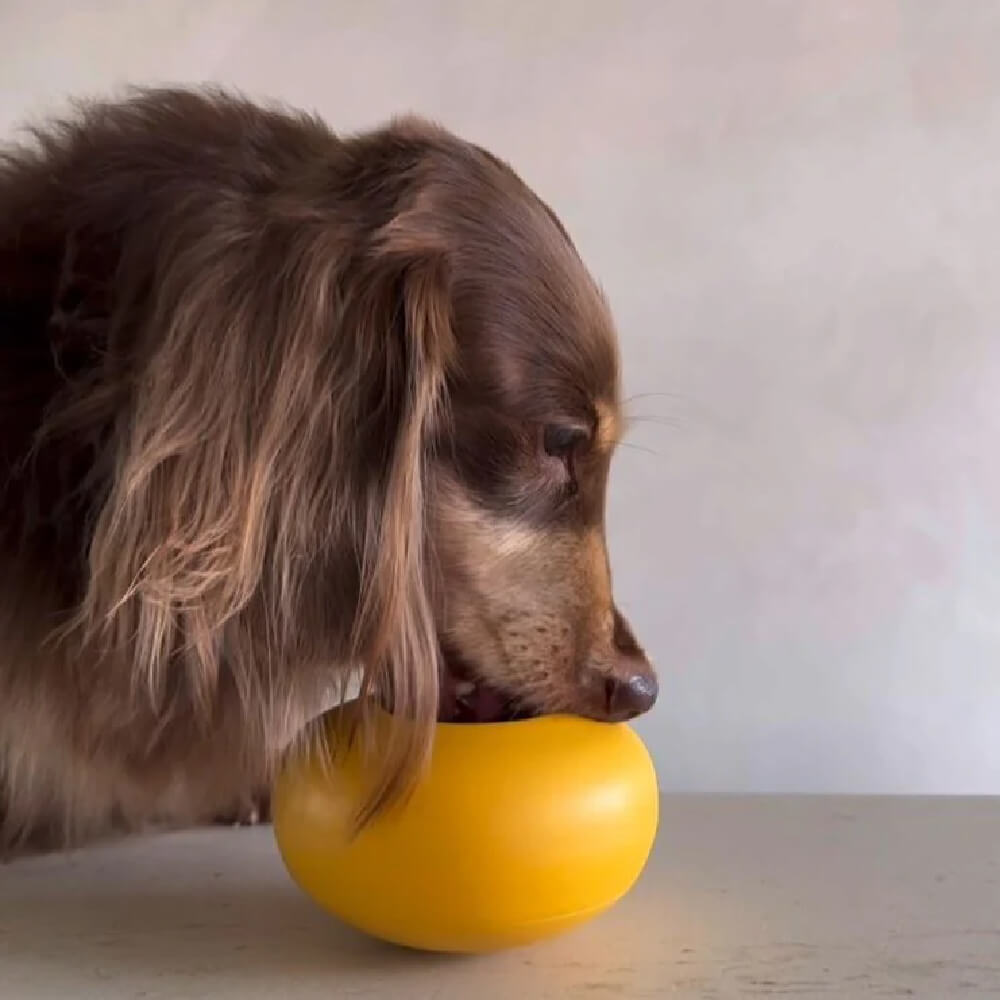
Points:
(249, 811)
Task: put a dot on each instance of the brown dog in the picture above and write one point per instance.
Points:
(274, 406)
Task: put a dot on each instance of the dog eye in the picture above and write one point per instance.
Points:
(561, 440)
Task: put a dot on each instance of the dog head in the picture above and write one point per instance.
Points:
(510, 413)
(525, 609)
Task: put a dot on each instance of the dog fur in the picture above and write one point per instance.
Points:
(278, 407)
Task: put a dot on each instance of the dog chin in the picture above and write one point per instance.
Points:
(466, 698)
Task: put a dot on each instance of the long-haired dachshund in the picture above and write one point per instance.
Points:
(278, 408)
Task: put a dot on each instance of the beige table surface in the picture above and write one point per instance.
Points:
(744, 897)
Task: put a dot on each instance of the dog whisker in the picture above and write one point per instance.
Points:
(631, 446)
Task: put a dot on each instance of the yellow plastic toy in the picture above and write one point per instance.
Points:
(518, 831)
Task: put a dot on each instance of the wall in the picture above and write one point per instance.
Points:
(795, 211)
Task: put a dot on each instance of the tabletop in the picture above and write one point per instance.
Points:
(742, 897)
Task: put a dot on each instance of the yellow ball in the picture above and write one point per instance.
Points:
(519, 830)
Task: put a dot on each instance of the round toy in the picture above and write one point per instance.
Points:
(518, 830)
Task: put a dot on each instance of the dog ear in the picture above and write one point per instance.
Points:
(396, 637)
(268, 467)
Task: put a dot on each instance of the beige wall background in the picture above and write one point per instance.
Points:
(795, 210)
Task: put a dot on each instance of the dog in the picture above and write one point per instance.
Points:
(280, 408)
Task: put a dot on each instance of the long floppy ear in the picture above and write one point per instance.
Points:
(267, 468)
(396, 636)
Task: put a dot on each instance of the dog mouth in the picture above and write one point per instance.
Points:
(466, 698)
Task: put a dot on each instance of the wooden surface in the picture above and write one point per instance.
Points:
(754, 897)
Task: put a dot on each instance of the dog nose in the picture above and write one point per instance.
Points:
(630, 691)
(629, 695)
(623, 683)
